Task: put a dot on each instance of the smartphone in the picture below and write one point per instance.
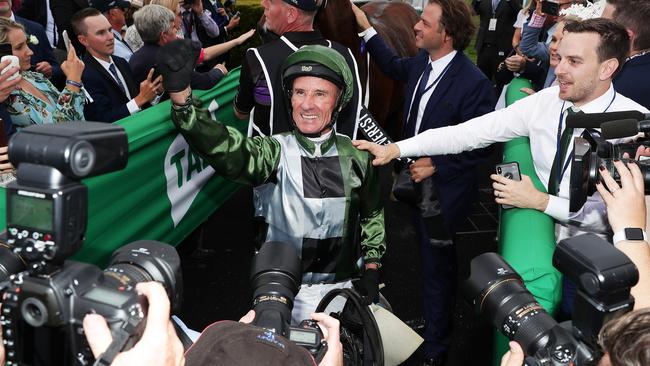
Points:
(550, 8)
(237, 14)
(66, 40)
(14, 62)
(510, 171)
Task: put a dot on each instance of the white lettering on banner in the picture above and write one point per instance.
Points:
(186, 174)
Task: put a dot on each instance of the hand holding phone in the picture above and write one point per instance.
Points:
(13, 62)
(66, 40)
(237, 14)
(510, 171)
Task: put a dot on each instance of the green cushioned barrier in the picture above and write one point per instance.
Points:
(526, 236)
(165, 192)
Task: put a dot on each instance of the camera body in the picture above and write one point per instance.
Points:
(590, 152)
(604, 277)
(45, 297)
(276, 275)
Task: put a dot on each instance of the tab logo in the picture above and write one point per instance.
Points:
(186, 173)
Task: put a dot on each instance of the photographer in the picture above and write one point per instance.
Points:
(159, 344)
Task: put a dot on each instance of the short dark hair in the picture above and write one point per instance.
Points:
(614, 40)
(77, 20)
(456, 19)
(627, 339)
(634, 15)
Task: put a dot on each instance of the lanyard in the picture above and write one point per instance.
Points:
(559, 147)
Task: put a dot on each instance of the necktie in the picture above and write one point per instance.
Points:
(113, 71)
(558, 162)
(495, 5)
(409, 131)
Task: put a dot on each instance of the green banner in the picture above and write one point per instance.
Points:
(166, 191)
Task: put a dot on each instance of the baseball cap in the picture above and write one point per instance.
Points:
(232, 343)
(106, 5)
(306, 5)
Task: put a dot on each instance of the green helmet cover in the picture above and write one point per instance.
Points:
(334, 68)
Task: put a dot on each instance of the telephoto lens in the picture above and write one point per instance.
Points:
(10, 262)
(275, 276)
(498, 293)
(144, 261)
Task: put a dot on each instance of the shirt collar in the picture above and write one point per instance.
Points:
(439, 65)
(13, 17)
(105, 64)
(598, 105)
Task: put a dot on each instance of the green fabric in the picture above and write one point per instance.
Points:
(327, 57)
(256, 160)
(135, 203)
(527, 236)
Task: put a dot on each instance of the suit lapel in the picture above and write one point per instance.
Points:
(126, 73)
(441, 89)
(412, 84)
(89, 60)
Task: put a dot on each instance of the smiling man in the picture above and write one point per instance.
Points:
(317, 191)
(591, 52)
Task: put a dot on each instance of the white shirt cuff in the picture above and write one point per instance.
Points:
(557, 208)
(368, 33)
(407, 149)
(132, 106)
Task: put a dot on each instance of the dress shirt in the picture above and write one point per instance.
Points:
(132, 106)
(121, 48)
(437, 67)
(537, 118)
(50, 26)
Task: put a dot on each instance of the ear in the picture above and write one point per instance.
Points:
(82, 40)
(632, 36)
(607, 69)
(292, 14)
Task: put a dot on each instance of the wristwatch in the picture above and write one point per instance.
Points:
(630, 233)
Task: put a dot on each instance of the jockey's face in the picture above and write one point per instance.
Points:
(313, 100)
(429, 33)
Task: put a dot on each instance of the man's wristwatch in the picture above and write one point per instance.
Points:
(630, 233)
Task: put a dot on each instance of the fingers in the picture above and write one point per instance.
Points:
(158, 312)
(528, 91)
(624, 174)
(97, 333)
(248, 318)
(330, 326)
(500, 179)
(610, 183)
(150, 74)
(637, 177)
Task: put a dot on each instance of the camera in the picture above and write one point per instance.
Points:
(276, 275)
(550, 7)
(590, 152)
(45, 296)
(603, 275)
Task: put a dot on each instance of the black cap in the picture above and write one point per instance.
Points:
(106, 5)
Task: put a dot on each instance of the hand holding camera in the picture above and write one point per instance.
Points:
(625, 203)
(159, 344)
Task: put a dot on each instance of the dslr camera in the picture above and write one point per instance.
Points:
(603, 275)
(590, 152)
(45, 296)
(276, 275)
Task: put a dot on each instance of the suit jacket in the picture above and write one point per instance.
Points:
(506, 15)
(145, 58)
(633, 80)
(34, 10)
(42, 50)
(109, 102)
(462, 94)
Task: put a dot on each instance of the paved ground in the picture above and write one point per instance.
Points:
(216, 281)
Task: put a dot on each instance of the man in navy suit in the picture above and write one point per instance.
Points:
(43, 59)
(443, 87)
(108, 78)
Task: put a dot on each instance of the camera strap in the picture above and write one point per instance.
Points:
(120, 337)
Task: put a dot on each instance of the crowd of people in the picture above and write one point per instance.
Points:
(315, 181)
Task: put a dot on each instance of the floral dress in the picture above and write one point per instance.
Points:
(26, 109)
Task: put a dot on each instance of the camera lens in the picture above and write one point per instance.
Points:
(10, 262)
(147, 260)
(497, 291)
(499, 170)
(275, 276)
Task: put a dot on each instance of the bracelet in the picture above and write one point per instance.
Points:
(73, 83)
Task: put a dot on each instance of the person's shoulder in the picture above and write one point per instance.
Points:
(623, 103)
